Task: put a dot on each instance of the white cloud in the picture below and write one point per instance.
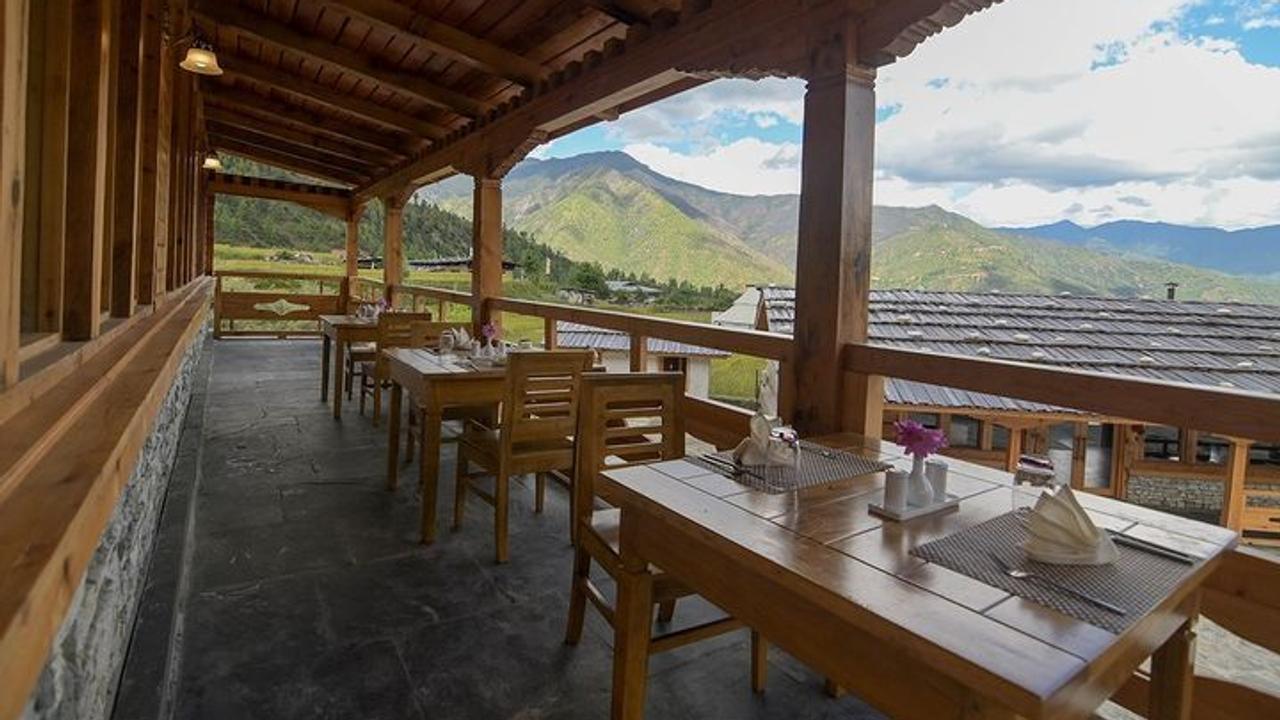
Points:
(746, 167)
(1028, 112)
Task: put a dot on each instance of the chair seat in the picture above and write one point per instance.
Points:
(482, 445)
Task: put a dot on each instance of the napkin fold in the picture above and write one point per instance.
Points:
(761, 448)
(1063, 534)
(462, 339)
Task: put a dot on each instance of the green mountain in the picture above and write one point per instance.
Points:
(611, 209)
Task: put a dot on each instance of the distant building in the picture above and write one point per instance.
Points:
(643, 293)
(1219, 345)
(614, 348)
(577, 296)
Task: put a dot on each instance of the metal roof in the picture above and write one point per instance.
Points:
(1232, 345)
(575, 335)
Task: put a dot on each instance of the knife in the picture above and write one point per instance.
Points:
(1153, 548)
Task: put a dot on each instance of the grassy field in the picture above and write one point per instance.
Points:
(732, 378)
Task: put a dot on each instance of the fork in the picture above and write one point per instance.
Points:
(1024, 574)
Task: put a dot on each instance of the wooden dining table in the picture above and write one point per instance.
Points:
(835, 586)
(338, 333)
(435, 385)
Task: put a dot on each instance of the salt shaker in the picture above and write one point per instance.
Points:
(936, 471)
(895, 490)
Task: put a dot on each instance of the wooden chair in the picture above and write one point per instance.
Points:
(631, 419)
(533, 434)
(361, 353)
(395, 329)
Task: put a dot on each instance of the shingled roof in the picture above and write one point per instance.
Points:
(575, 335)
(1231, 345)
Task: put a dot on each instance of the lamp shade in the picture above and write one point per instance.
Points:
(201, 61)
(212, 163)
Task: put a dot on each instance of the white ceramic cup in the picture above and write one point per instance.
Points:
(895, 490)
(936, 471)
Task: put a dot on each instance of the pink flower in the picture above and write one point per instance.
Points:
(488, 331)
(917, 439)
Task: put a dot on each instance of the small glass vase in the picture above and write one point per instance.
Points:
(919, 491)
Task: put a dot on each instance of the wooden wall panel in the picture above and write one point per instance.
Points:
(86, 186)
(13, 115)
(125, 164)
(53, 165)
(149, 188)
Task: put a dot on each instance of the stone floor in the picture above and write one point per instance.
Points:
(288, 583)
(297, 587)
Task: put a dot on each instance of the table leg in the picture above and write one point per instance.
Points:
(429, 470)
(325, 349)
(632, 627)
(1173, 675)
(393, 437)
(339, 366)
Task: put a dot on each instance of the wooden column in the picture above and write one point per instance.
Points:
(153, 129)
(486, 249)
(833, 259)
(124, 216)
(1233, 495)
(210, 210)
(87, 171)
(639, 353)
(1013, 453)
(13, 121)
(393, 243)
(353, 240)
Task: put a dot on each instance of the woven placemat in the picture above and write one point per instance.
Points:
(1137, 581)
(815, 465)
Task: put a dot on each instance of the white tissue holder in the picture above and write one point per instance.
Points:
(910, 513)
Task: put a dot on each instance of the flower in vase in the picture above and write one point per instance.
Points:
(917, 439)
(489, 331)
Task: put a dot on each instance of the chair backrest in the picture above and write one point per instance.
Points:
(401, 329)
(542, 394)
(625, 419)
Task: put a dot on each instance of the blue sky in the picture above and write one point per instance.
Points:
(1032, 111)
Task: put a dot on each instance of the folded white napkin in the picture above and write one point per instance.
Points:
(760, 448)
(462, 340)
(1063, 534)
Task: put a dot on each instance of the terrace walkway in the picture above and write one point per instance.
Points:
(302, 591)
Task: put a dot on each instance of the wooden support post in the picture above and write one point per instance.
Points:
(639, 353)
(393, 243)
(153, 128)
(87, 171)
(13, 121)
(125, 160)
(210, 211)
(486, 250)
(1014, 452)
(833, 260)
(1233, 490)
(353, 240)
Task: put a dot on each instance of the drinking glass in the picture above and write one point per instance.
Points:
(447, 341)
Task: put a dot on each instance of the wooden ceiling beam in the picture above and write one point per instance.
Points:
(286, 161)
(280, 35)
(443, 39)
(301, 137)
(263, 139)
(251, 103)
(331, 201)
(303, 87)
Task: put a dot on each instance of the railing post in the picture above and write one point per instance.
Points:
(1233, 490)
(639, 353)
(217, 306)
(550, 333)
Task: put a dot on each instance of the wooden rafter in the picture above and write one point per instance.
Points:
(305, 152)
(351, 152)
(298, 86)
(273, 156)
(442, 38)
(282, 36)
(252, 104)
(329, 200)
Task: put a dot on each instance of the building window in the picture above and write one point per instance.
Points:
(1062, 451)
(1212, 450)
(965, 432)
(675, 364)
(1265, 455)
(999, 437)
(929, 420)
(1097, 455)
(1160, 442)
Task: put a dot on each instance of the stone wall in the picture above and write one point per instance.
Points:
(80, 676)
(1187, 495)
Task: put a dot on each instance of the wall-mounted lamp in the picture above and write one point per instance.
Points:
(212, 163)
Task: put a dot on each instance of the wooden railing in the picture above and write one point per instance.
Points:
(287, 311)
